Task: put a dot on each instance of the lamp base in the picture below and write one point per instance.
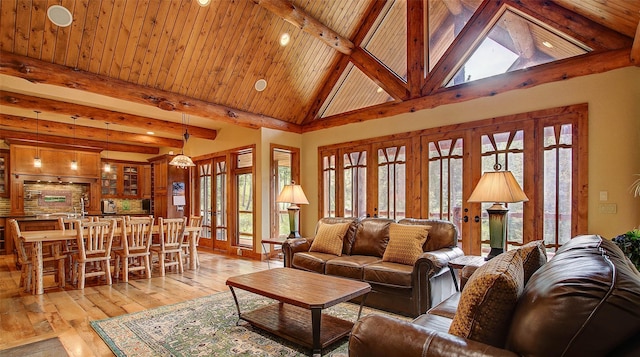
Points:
(294, 212)
(497, 229)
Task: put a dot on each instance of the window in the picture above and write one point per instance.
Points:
(244, 199)
(285, 163)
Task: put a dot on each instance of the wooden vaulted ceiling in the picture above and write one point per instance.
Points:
(347, 60)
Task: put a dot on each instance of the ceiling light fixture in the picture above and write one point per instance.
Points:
(150, 133)
(183, 161)
(547, 44)
(74, 162)
(204, 2)
(59, 15)
(284, 39)
(107, 166)
(37, 162)
(260, 85)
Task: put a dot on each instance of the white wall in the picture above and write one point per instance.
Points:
(614, 138)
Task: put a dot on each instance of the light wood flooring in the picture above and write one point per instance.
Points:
(26, 318)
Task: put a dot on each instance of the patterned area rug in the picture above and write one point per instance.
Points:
(208, 326)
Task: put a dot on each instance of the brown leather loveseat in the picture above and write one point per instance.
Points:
(404, 288)
(584, 302)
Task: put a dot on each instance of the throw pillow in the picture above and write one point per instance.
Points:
(534, 255)
(488, 300)
(405, 243)
(329, 238)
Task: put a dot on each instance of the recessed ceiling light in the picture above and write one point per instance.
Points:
(150, 133)
(59, 15)
(547, 44)
(284, 39)
(261, 84)
(379, 90)
(204, 2)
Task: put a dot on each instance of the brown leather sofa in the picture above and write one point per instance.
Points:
(584, 302)
(404, 289)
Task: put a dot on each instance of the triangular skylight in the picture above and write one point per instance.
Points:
(516, 42)
(366, 93)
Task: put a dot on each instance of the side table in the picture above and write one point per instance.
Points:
(461, 262)
(271, 242)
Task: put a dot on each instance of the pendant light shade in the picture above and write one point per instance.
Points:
(74, 162)
(107, 166)
(183, 161)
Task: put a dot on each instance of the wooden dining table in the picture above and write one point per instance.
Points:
(36, 238)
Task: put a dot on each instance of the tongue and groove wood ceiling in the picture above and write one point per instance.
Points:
(346, 60)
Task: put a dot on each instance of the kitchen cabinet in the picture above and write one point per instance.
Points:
(4, 173)
(123, 181)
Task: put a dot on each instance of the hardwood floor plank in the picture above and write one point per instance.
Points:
(66, 313)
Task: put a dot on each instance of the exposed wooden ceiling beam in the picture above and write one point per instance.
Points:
(552, 72)
(590, 33)
(299, 18)
(416, 46)
(80, 144)
(635, 49)
(372, 13)
(478, 26)
(87, 132)
(519, 31)
(37, 71)
(380, 74)
(102, 115)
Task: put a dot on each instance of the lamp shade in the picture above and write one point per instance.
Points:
(292, 194)
(182, 161)
(498, 186)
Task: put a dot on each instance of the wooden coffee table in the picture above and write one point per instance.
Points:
(298, 292)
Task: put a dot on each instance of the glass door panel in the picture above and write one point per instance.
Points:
(354, 171)
(391, 182)
(219, 225)
(443, 166)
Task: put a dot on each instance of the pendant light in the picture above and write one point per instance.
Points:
(74, 163)
(37, 162)
(183, 161)
(107, 166)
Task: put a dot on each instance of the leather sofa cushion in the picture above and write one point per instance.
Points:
(372, 236)
(405, 243)
(350, 266)
(488, 300)
(311, 261)
(329, 238)
(588, 286)
(389, 274)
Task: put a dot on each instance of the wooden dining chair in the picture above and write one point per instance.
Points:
(94, 243)
(194, 221)
(136, 254)
(52, 258)
(169, 250)
(70, 247)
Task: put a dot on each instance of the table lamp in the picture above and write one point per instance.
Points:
(497, 187)
(294, 195)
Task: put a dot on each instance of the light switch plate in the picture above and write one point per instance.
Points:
(604, 195)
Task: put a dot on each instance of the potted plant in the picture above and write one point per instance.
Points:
(630, 245)
(635, 187)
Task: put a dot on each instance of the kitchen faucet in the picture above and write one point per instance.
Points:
(82, 211)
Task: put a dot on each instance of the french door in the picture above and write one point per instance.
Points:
(212, 184)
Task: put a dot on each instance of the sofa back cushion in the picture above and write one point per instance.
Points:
(442, 234)
(372, 237)
(329, 238)
(534, 256)
(405, 243)
(489, 299)
(583, 302)
(349, 235)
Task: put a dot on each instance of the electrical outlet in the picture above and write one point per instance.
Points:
(604, 195)
(239, 252)
(608, 208)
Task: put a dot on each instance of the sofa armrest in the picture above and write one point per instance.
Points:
(432, 262)
(384, 336)
(292, 246)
